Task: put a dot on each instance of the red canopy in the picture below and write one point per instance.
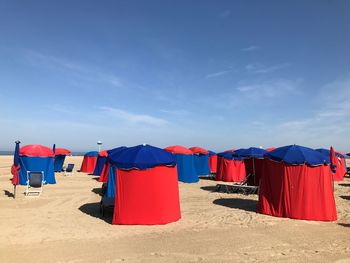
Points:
(200, 150)
(178, 149)
(297, 191)
(213, 163)
(88, 164)
(36, 150)
(62, 151)
(103, 153)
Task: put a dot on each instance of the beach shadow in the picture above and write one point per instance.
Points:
(238, 203)
(9, 194)
(344, 225)
(95, 178)
(93, 209)
(97, 191)
(345, 197)
(210, 188)
(347, 185)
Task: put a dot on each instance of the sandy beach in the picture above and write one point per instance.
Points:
(64, 225)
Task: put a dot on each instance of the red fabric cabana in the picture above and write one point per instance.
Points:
(104, 174)
(230, 170)
(297, 191)
(341, 169)
(88, 164)
(213, 163)
(147, 197)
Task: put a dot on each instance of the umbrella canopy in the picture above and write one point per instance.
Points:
(142, 156)
(211, 153)
(91, 154)
(296, 154)
(103, 153)
(36, 150)
(115, 151)
(198, 150)
(62, 151)
(252, 152)
(270, 149)
(178, 149)
(327, 152)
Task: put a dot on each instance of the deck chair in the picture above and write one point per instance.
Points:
(241, 188)
(69, 169)
(35, 182)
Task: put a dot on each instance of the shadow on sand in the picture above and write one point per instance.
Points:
(97, 191)
(344, 224)
(345, 197)
(9, 194)
(210, 188)
(346, 185)
(93, 209)
(238, 203)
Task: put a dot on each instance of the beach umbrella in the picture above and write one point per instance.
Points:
(327, 152)
(199, 150)
(178, 149)
(142, 156)
(15, 168)
(296, 154)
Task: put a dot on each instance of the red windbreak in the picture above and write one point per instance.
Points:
(297, 191)
(230, 170)
(104, 174)
(88, 165)
(147, 197)
(213, 163)
(36, 150)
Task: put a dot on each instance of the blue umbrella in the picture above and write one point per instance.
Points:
(54, 148)
(327, 152)
(16, 168)
(211, 153)
(229, 156)
(142, 156)
(296, 154)
(252, 152)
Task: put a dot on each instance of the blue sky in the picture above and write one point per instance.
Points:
(217, 74)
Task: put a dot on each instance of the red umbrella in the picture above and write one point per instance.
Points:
(178, 149)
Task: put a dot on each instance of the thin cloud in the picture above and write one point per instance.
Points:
(133, 118)
(225, 13)
(218, 74)
(262, 69)
(251, 48)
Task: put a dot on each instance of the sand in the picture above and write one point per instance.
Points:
(64, 225)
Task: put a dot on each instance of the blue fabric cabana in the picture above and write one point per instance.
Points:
(37, 158)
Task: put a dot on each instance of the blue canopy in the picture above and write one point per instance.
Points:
(58, 162)
(229, 156)
(296, 154)
(252, 152)
(142, 156)
(91, 154)
(37, 164)
(116, 150)
(327, 152)
(211, 153)
(201, 163)
(101, 160)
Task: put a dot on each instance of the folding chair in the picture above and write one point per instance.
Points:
(35, 182)
(69, 169)
(241, 187)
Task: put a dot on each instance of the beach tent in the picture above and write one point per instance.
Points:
(89, 162)
(185, 163)
(230, 168)
(297, 184)
(254, 162)
(201, 161)
(340, 171)
(146, 190)
(100, 163)
(213, 162)
(60, 156)
(106, 169)
(36, 158)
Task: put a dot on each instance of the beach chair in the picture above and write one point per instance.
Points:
(35, 182)
(69, 169)
(241, 188)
